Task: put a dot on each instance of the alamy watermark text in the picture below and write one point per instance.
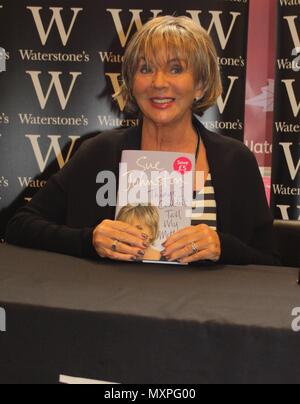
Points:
(2, 320)
(2, 60)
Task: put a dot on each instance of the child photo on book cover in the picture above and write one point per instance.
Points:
(145, 218)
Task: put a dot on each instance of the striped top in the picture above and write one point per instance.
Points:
(205, 206)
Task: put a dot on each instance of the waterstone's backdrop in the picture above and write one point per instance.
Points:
(63, 62)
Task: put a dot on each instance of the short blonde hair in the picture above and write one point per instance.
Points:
(180, 37)
(147, 215)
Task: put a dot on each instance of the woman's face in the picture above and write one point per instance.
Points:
(165, 94)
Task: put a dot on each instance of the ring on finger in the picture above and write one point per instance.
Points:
(195, 249)
(114, 247)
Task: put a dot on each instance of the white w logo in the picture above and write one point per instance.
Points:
(56, 83)
(293, 168)
(284, 210)
(115, 81)
(216, 22)
(222, 103)
(136, 21)
(289, 84)
(293, 29)
(57, 19)
(54, 146)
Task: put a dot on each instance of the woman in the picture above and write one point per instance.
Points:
(170, 74)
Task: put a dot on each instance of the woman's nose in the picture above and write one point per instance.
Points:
(159, 80)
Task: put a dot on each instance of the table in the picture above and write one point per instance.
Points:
(135, 323)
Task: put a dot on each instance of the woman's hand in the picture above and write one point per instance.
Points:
(196, 243)
(120, 241)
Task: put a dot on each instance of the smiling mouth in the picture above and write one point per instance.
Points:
(162, 101)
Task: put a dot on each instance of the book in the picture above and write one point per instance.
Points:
(156, 193)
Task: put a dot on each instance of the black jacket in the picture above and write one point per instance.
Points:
(61, 217)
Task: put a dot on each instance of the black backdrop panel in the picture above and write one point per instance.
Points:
(286, 147)
(63, 65)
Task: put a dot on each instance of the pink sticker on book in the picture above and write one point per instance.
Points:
(183, 165)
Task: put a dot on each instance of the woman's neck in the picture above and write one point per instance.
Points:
(180, 136)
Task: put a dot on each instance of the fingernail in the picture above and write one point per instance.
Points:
(146, 245)
(145, 236)
(141, 253)
(164, 253)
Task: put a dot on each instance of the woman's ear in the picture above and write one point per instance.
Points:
(199, 92)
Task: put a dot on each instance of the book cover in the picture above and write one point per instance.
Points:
(156, 193)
